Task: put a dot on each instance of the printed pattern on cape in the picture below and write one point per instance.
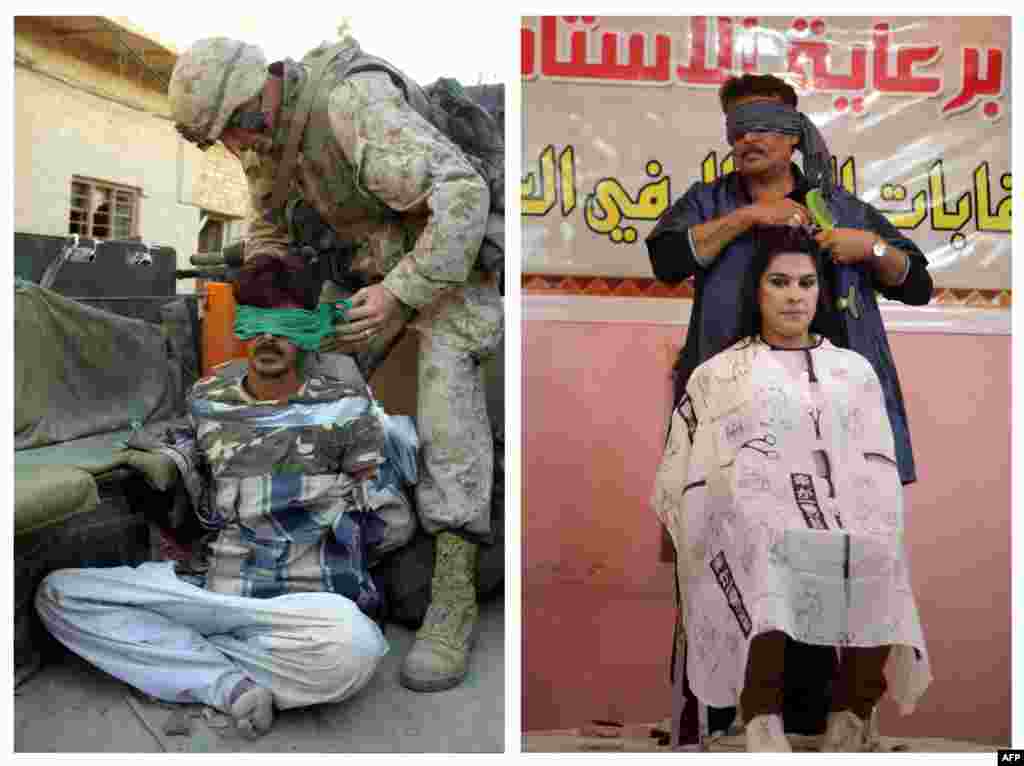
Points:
(750, 505)
(723, 573)
(289, 516)
(807, 500)
(685, 410)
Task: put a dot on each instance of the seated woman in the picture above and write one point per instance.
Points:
(780, 490)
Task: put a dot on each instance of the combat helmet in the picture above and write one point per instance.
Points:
(210, 81)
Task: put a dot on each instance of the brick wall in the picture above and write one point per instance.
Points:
(220, 183)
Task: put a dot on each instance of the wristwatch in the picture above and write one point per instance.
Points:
(878, 249)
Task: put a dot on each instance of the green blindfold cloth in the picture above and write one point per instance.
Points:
(303, 328)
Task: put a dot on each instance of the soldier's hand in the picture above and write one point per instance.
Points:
(381, 339)
(783, 212)
(376, 317)
(372, 309)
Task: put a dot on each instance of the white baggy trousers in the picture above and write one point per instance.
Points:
(181, 643)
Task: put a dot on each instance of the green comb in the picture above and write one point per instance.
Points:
(816, 204)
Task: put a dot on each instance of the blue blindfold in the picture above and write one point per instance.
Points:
(776, 117)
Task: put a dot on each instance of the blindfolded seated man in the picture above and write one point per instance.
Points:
(287, 467)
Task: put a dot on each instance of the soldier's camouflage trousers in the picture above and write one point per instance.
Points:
(456, 335)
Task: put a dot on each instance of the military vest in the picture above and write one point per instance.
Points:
(335, 176)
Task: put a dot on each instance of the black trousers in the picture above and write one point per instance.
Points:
(811, 672)
(861, 681)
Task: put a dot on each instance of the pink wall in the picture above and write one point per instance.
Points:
(597, 600)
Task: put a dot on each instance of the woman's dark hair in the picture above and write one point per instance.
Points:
(771, 241)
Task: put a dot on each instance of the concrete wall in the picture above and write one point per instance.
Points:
(598, 601)
(77, 112)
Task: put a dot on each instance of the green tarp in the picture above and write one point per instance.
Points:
(54, 482)
(81, 377)
(101, 454)
(45, 495)
(80, 371)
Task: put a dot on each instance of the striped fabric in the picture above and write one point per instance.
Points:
(274, 479)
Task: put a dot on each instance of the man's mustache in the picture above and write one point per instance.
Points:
(272, 346)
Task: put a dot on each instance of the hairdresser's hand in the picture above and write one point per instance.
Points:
(783, 212)
(847, 246)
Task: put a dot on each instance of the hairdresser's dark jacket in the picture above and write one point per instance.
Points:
(715, 315)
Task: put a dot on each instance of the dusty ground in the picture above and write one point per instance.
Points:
(71, 707)
(654, 738)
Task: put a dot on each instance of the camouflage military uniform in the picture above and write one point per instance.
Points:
(386, 179)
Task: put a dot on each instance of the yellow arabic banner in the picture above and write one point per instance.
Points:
(621, 116)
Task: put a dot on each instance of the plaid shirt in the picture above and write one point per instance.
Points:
(272, 479)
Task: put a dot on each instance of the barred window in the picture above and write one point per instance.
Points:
(211, 235)
(103, 210)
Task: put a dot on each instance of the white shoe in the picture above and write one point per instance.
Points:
(873, 737)
(845, 733)
(765, 735)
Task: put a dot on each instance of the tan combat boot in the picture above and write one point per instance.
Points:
(440, 657)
